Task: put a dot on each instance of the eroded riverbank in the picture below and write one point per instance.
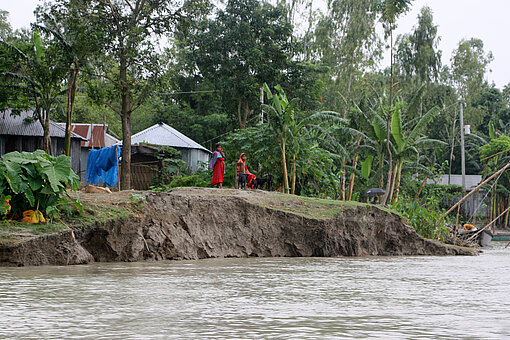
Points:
(197, 223)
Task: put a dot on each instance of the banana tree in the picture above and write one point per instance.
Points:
(281, 113)
(407, 145)
(368, 129)
(290, 130)
(390, 10)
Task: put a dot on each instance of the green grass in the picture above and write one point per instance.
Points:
(310, 207)
(13, 232)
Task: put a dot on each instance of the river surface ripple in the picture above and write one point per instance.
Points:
(285, 298)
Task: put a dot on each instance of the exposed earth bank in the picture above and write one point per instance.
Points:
(197, 223)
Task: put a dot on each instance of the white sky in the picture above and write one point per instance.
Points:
(457, 19)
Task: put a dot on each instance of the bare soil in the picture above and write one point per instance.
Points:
(196, 223)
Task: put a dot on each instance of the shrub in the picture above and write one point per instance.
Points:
(423, 219)
(36, 181)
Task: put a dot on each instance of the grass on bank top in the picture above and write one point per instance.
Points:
(97, 208)
(310, 207)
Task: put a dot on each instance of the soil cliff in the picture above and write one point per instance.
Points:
(197, 223)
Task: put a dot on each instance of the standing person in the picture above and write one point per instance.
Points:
(251, 177)
(218, 167)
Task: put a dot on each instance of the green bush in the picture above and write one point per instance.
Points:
(423, 219)
(36, 181)
(188, 181)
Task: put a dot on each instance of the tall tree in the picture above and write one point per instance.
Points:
(76, 40)
(390, 10)
(5, 25)
(243, 46)
(470, 64)
(346, 40)
(417, 52)
(37, 75)
(128, 67)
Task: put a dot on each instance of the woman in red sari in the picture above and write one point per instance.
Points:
(218, 167)
(251, 177)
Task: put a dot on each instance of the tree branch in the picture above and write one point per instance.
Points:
(113, 108)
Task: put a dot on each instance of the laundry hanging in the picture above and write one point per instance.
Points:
(102, 166)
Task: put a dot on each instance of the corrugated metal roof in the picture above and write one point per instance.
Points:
(24, 125)
(162, 134)
(95, 137)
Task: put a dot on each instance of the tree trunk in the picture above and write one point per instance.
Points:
(239, 104)
(45, 121)
(351, 179)
(389, 183)
(451, 153)
(284, 167)
(397, 188)
(390, 173)
(125, 174)
(293, 174)
(71, 93)
(381, 165)
(342, 181)
(394, 176)
(246, 113)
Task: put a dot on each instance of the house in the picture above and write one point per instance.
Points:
(23, 133)
(94, 137)
(161, 134)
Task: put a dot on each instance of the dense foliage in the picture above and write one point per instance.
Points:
(299, 91)
(36, 181)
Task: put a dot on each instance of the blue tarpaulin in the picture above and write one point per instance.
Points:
(102, 166)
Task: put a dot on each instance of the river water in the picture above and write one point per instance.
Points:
(287, 298)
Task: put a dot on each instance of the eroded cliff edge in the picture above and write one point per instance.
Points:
(197, 223)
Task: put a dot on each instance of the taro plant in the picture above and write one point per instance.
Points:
(37, 181)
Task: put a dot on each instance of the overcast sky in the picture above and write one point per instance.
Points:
(457, 19)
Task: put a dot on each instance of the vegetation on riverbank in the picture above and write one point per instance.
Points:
(308, 106)
(97, 208)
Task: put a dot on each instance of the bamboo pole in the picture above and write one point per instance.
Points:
(473, 191)
(489, 157)
(421, 188)
(488, 225)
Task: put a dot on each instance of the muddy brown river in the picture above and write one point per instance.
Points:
(285, 298)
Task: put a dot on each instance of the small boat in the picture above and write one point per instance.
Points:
(501, 236)
(485, 238)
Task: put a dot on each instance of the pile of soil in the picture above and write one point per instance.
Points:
(197, 223)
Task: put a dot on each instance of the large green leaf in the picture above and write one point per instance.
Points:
(39, 47)
(422, 124)
(29, 194)
(492, 130)
(57, 173)
(23, 157)
(12, 177)
(366, 167)
(412, 109)
(396, 130)
(379, 126)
